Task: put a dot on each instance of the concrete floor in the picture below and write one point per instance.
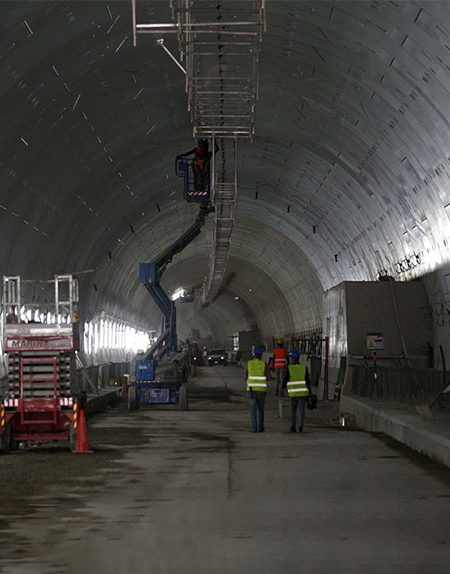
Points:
(197, 493)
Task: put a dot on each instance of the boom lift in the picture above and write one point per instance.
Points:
(165, 386)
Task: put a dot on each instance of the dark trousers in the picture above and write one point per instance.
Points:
(256, 400)
(298, 405)
(199, 177)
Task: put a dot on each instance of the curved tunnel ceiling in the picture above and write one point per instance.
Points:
(347, 176)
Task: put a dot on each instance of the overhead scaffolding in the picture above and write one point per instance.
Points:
(219, 47)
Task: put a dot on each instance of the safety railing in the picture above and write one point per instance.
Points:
(197, 179)
(52, 301)
(219, 46)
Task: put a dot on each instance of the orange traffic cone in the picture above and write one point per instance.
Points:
(82, 435)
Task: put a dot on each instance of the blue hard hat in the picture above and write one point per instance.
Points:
(257, 351)
(294, 354)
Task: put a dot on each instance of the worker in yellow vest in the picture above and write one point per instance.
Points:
(298, 387)
(256, 374)
(279, 364)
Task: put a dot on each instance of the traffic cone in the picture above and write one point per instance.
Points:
(82, 435)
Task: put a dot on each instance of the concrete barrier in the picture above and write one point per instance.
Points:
(404, 424)
(105, 398)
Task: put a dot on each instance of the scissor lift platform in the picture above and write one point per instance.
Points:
(39, 405)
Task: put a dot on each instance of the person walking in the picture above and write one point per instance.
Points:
(298, 387)
(279, 364)
(257, 374)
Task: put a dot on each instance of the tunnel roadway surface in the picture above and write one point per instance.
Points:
(196, 492)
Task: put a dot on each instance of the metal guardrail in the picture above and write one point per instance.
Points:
(219, 46)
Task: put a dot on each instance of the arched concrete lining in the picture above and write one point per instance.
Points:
(350, 162)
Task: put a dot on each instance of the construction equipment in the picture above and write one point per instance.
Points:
(40, 339)
(157, 375)
(183, 168)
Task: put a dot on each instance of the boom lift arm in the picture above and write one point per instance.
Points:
(150, 275)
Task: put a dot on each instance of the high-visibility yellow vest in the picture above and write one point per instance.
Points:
(257, 380)
(297, 384)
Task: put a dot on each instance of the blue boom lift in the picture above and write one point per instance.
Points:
(165, 385)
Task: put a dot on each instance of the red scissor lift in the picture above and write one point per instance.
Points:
(40, 340)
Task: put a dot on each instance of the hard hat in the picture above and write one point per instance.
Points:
(202, 143)
(257, 351)
(294, 354)
(280, 340)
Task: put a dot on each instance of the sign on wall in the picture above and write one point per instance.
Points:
(374, 341)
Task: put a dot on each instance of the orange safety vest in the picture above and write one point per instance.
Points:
(280, 358)
(201, 158)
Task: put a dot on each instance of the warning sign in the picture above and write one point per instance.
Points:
(374, 341)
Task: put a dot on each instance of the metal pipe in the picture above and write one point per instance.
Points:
(133, 4)
(199, 25)
(160, 42)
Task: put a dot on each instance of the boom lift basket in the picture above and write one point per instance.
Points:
(197, 182)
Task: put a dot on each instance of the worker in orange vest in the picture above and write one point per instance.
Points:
(279, 363)
(200, 163)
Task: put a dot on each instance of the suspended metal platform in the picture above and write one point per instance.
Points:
(219, 45)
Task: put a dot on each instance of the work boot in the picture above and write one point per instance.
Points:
(292, 429)
(300, 429)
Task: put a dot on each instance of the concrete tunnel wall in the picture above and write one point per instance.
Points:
(347, 176)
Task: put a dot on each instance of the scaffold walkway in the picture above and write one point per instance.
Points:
(224, 185)
(219, 45)
(219, 48)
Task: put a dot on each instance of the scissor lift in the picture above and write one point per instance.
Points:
(40, 340)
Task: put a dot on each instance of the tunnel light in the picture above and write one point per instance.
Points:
(178, 293)
(236, 297)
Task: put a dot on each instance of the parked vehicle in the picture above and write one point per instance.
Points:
(217, 357)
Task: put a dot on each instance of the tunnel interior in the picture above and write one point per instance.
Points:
(346, 178)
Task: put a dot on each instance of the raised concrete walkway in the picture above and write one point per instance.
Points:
(403, 423)
(105, 397)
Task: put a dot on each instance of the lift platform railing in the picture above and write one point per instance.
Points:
(54, 300)
(197, 182)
